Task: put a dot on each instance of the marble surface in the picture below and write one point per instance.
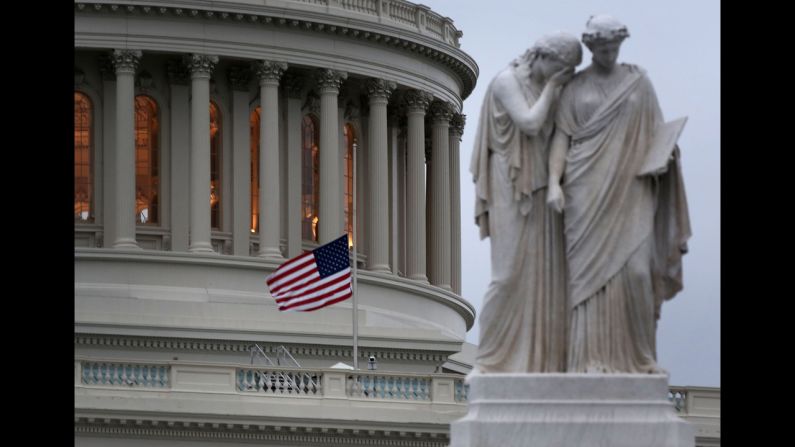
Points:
(598, 410)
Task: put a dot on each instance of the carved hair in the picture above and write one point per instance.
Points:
(559, 45)
(603, 28)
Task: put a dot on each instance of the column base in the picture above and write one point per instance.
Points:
(201, 247)
(126, 244)
(610, 410)
(380, 268)
(419, 278)
(271, 253)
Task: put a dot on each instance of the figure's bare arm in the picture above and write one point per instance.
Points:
(529, 118)
(557, 163)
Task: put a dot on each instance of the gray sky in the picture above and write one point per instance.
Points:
(678, 43)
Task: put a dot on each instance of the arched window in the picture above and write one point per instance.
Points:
(350, 145)
(215, 166)
(84, 174)
(310, 178)
(147, 161)
(254, 122)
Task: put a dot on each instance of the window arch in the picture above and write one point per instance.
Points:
(84, 174)
(310, 178)
(350, 145)
(215, 166)
(147, 161)
(254, 123)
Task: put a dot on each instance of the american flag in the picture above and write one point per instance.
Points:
(313, 280)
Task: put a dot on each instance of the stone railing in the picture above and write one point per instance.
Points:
(124, 374)
(273, 381)
(400, 13)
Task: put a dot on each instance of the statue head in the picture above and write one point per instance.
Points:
(603, 36)
(552, 53)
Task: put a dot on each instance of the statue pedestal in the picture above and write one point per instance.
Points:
(562, 410)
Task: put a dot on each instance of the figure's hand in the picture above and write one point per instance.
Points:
(555, 198)
(563, 76)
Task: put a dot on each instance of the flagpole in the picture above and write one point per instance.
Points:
(355, 267)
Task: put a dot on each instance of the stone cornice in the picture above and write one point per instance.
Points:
(290, 432)
(313, 18)
(206, 345)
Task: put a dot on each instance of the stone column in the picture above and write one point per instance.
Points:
(293, 86)
(439, 271)
(269, 74)
(239, 78)
(456, 131)
(179, 81)
(125, 62)
(201, 66)
(331, 205)
(417, 103)
(378, 91)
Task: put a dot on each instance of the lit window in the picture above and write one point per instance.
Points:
(215, 166)
(310, 178)
(147, 160)
(254, 122)
(350, 144)
(84, 174)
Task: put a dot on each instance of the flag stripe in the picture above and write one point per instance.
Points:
(313, 287)
(292, 273)
(289, 265)
(297, 279)
(316, 297)
(329, 302)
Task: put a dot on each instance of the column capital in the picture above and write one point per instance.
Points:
(417, 100)
(457, 123)
(441, 112)
(201, 65)
(379, 89)
(239, 77)
(126, 61)
(293, 85)
(330, 81)
(269, 72)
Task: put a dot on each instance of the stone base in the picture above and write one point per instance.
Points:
(562, 410)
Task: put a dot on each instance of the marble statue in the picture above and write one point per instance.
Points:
(523, 319)
(626, 220)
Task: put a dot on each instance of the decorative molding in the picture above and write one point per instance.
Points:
(139, 426)
(441, 112)
(144, 80)
(379, 89)
(206, 345)
(453, 58)
(457, 123)
(178, 73)
(239, 77)
(417, 100)
(126, 61)
(330, 81)
(80, 77)
(269, 72)
(201, 65)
